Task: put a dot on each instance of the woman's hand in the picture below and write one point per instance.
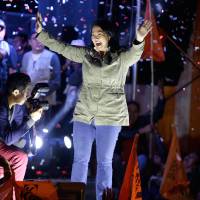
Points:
(143, 30)
(39, 23)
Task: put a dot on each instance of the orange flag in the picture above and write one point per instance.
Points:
(35, 190)
(158, 52)
(175, 183)
(131, 186)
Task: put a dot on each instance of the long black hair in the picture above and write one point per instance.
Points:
(109, 28)
(113, 44)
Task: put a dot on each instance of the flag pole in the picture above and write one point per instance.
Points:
(134, 67)
(152, 86)
(110, 10)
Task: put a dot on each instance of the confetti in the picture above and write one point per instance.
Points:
(121, 7)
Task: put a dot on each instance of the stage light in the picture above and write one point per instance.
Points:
(38, 142)
(39, 172)
(68, 142)
(45, 130)
(159, 7)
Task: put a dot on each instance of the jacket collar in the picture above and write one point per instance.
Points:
(95, 58)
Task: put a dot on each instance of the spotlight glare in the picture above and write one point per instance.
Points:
(68, 142)
(45, 130)
(38, 142)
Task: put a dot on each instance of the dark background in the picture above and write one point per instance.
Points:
(68, 19)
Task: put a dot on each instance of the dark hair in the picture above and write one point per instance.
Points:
(93, 56)
(23, 36)
(135, 103)
(109, 28)
(17, 81)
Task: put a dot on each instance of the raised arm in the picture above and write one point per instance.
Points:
(73, 53)
(131, 56)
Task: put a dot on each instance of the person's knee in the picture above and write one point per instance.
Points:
(21, 158)
(24, 158)
(81, 156)
(81, 160)
(104, 159)
(104, 162)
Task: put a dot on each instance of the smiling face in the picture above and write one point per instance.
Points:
(100, 39)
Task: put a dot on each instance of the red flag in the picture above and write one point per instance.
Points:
(175, 183)
(157, 49)
(131, 186)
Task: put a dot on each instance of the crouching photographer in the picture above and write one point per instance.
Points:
(16, 123)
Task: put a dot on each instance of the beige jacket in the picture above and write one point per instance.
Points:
(102, 96)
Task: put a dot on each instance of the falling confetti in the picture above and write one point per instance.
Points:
(175, 17)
